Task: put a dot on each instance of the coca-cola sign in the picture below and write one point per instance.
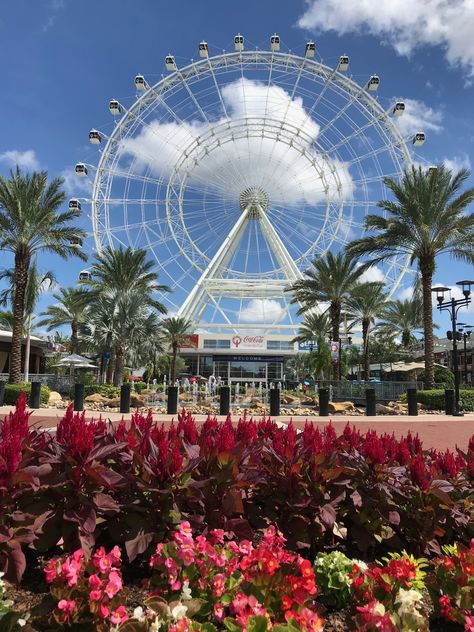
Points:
(245, 341)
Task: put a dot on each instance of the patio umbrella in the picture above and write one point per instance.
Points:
(75, 361)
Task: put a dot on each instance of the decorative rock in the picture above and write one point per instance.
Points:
(96, 398)
(54, 397)
(341, 407)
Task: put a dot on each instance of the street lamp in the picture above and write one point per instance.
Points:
(452, 306)
(465, 330)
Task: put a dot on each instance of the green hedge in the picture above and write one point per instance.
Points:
(106, 390)
(12, 392)
(434, 399)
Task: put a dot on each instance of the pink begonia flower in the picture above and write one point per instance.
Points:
(114, 585)
(175, 585)
(70, 568)
(219, 611)
(245, 546)
(119, 615)
(218, 585)
(66, 607)
(51, 571)
(95, 595)
(104, 611)
(217, 536)
(95, 582)
(115, 555)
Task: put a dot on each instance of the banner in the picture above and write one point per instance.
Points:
(191, 342)
(308, 345)
(334, 352)
(247, 342)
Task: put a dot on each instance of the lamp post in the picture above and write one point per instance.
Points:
(452, 306)
(466, 335)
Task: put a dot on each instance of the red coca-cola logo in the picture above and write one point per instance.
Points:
(247, 340)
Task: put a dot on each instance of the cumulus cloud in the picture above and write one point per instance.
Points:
(372, 275)
(456, 163)
(24, 159)
(281, 170)
(261, 310)
(75, 185)
(418, 117)
(405, 24)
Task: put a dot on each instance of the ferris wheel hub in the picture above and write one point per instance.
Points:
(255, 199)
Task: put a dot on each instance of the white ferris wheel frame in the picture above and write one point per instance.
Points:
(215, 281)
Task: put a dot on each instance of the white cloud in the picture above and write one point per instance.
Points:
(24, 159)
(261, 310)
(74, 184)
(405, 293)
(372, 275)
(252, 161)
(418, 117)
(456, 163)
(405, 24)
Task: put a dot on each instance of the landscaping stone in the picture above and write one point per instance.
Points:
(341, 407)
(96, 398)
(54, 397)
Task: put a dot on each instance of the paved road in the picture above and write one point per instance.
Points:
(436, 431)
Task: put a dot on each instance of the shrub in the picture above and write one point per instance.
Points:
(12, 393)
(332, 578)
(434, 399)
(442, 375)
(106, 390)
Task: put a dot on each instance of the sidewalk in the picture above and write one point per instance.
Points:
(436, 431)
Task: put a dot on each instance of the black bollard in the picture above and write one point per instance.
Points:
(274, 402)
(172, 404)
(78, 397)
(449, 401)
(35, 395)
(125, 390)
(370, 407)
(224, 400)
(323, 394)
(412, 402)
(2, 393)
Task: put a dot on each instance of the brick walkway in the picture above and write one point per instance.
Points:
(436, 431)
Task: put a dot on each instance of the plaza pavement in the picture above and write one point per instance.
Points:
(436, 431)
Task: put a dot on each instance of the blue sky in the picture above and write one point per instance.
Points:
(63, 61)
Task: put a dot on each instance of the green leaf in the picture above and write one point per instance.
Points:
(257, 624)
(231, 625)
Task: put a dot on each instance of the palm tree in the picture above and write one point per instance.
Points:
(427, 218)
(297, 365)
(37, 284)
(328, 280)
(402, 318)
(365, 305)
(70, 309)
(122, 320)
(123, 270)
(316, 327)
(175, 331)
(30, 222)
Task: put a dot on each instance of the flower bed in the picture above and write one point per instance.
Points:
(92, 485)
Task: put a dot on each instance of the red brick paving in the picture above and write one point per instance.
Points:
(436, 431)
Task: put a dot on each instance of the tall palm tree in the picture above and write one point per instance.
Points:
(123, 270)
(316, 327)
(30, 222)
(364, 306)
(427, 218)
(37, 284)
(297, 365)
(70, 309)
(175, 331)
(328, 280)
(402, 318)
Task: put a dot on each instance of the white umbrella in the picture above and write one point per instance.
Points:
(75, 361)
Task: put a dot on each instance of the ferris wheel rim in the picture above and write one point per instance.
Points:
(218, 61)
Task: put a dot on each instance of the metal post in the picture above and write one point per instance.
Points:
(465, 336)
(412, 402)
(275, 402)
(78, 397)
(224, 400)
(125, 391)
(172, 404)
(2, 393)
(457, 411)
(323, 394)
(35, 395)
(449, 401)
(370, 404)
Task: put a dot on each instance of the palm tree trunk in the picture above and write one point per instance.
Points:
(335, 315)
(406, 339)
(74, 339)
(27, 352)
(426, 281)
(22, 264)
(173, 365)
(110, 366)
(365, 336)
(119, 366)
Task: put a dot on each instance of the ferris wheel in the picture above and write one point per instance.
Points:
(236, 170)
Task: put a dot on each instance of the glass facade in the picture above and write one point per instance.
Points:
(280, 345)
(216, 344)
